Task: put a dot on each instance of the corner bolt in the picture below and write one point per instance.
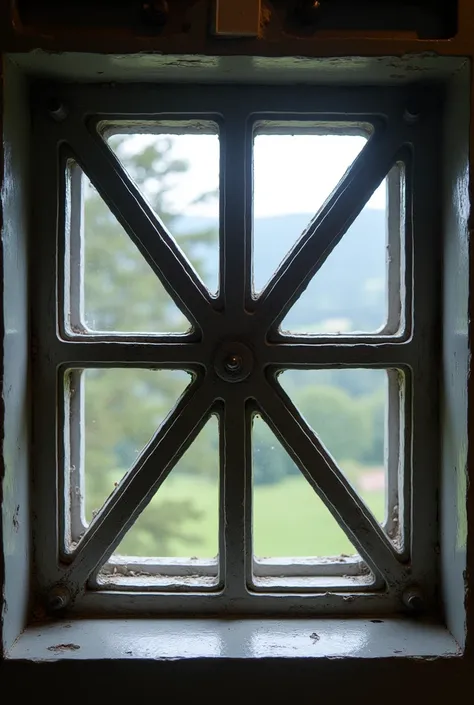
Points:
(413, 599)
(411, 114)
(56, 109)
(58, 598)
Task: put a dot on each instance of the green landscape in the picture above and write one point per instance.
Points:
(123, 407)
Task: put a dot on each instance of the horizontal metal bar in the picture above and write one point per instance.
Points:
(314, 354)
(140, 484)
(123, 354)
(313, 583)
(155, 102)
(330, 484)
(130, 566)
(309, 567)
(124, 565)
(161, 583)
(292, 602)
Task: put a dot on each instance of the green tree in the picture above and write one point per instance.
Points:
(337, 419)
(270, 462)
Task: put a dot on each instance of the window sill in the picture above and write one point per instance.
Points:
(147, 639)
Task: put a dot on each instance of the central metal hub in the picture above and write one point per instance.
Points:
(233, 361)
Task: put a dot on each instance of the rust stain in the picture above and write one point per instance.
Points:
(64, 647)
(16, 523)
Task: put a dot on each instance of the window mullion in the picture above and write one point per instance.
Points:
(74, 261)
(235, 542)
(397, 285)
(236, 161)
(72, 509)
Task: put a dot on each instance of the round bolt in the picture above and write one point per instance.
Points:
(233, 363)
(307, 11)
(56, 109)
(155, 12)
(58, 599)
(413, 599)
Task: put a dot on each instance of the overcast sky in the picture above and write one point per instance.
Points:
(292, 173)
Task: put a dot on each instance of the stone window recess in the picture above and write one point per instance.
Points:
(235, 354)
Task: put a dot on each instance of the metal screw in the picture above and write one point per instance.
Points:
(233, 363)
(58, 599)
(56, 109)
(155, 12)
(307, 11)
(413, 599)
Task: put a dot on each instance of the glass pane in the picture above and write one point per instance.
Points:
(293, 175)
(122, 409)
(347, 409)
(120, 291)
(289, 519)
(182, 519)
(349, 293)
(177, 170)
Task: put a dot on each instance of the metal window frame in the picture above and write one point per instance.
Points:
(405, 129)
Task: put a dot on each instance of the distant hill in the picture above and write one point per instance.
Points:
(347, 293)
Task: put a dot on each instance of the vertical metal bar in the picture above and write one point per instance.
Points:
(406, 241)
(426, 224)
(395, 273)
(47, 219)
(235, 459)
(73, 459)
(72, 522)
(235, 274)
(74, 264)
(405, 458)
(394, 458)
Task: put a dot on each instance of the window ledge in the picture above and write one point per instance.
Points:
(233, 638)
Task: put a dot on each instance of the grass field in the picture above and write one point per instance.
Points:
(289, 520)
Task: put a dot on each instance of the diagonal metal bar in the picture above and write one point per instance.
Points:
(140, 484)
(148, 233)
(329, 483)
(235, 508)
(329, 225)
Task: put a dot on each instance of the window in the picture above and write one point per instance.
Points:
(187, 373)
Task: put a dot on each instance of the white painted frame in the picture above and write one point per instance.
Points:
(399, 130)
